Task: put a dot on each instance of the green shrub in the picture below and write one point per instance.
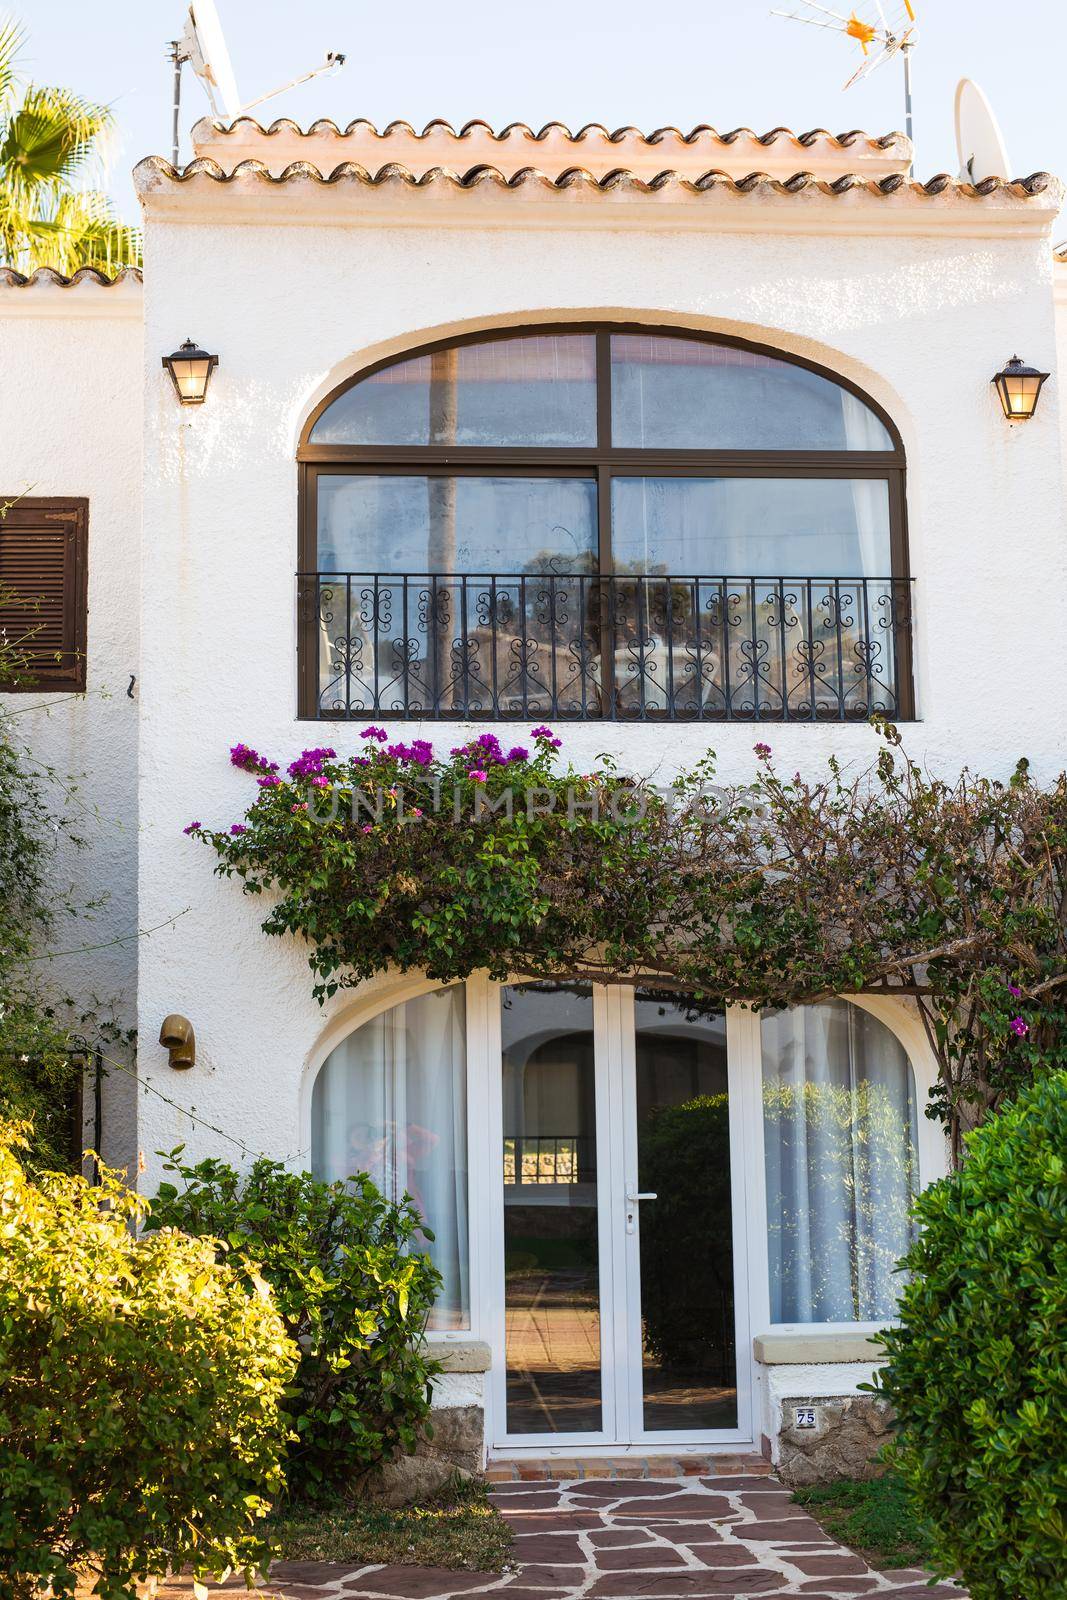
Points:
(978, 1368)
(140, 1392)
(352, 1288)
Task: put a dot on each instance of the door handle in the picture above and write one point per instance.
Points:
(632, 1199)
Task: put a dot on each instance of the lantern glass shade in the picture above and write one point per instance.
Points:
(1018, 387)
(190, 368)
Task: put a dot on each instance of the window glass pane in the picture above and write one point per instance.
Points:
(689, 1360)
(391, 1101)
(840, 1136)
(535, 390)
(687, 394)
(412, 523)
(760, 527)
(551, 1256)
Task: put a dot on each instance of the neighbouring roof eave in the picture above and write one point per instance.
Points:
(851, 202)
(85, 293)
(49, 278)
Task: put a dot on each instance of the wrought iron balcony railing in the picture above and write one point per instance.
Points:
(580, 645)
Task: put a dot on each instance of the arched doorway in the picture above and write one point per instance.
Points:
(624, 1187)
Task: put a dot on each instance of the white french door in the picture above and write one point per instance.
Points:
(618, 1251)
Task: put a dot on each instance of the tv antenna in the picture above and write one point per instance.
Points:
(879, 40)
(979, 141)
(203, 45)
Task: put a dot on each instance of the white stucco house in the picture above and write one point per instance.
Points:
(740, 385)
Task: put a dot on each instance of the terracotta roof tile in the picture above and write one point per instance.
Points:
(579, 177)
(552, 149)
(11, 279)
(285, 125)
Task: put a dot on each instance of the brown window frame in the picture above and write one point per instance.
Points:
(601, 462)
(73, 511)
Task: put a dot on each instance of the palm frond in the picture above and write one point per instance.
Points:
(52, 146)
(78, 229)
(51, 138)
(12, 38)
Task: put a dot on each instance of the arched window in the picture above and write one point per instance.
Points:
(840, 1139)
(391, 1101)
(602, 522)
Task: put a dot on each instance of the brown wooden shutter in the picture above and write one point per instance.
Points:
(43, 600)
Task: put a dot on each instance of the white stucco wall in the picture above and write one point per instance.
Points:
(919, 321)
(72, 423)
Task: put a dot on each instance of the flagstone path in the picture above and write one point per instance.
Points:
(718, 1538)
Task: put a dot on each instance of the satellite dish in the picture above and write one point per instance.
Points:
(979, 141)
(210, 59)
(203, 45)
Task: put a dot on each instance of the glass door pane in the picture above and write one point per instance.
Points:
(688, 1357)
(551, 1250)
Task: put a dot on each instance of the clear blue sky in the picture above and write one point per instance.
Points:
(616, 63)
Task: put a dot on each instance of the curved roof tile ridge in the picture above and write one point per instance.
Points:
(325, 125)
(11, 278)
(942, 182)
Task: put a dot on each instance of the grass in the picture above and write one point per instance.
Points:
(874, 1518)
(457, 1528)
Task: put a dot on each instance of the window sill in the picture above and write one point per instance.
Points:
(814, 1347)
(459, 1355)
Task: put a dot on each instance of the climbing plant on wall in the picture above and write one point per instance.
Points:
(780, 891)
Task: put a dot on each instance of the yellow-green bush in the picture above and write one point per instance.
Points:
(140, 1393)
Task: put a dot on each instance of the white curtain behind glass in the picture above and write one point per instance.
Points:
(863, 431)
(390, 1101)
(840, 1135)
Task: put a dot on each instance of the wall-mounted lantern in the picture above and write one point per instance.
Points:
(1018, 387)
(190, 367)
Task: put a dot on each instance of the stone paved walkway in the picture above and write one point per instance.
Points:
(725, 1537)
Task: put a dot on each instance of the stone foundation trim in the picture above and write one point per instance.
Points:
(845, 1441)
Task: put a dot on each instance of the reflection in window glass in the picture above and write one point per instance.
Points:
(688, 1357)
(551, 1255)
(535, 390)
(391, 1101)
(840, 1136)
(672, 393)
(759, 527)
(403, 522)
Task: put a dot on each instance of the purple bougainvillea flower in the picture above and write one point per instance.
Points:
(763, 751)
(1018, 1027)
(309, 762)
(238, 827)
(1013, 988)
(545, 733)
(374, 733)
(320, 782)
(368, 827)
(194, 827)
(269, 782)
(249, 760)
(420, 752)
(518, 753)
(477, 775)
